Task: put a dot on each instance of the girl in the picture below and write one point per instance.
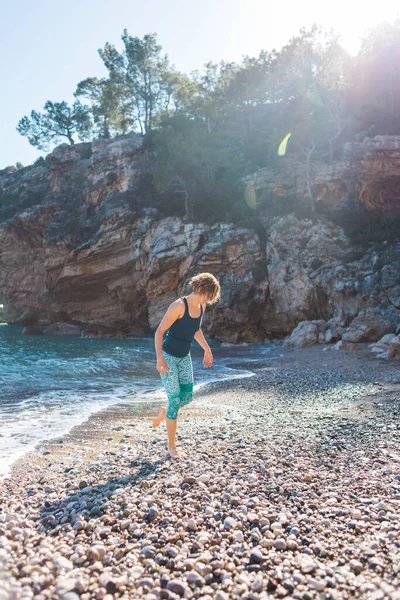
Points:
(182, 322)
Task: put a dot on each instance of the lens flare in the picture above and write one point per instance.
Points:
(250, 195)
(283, 145)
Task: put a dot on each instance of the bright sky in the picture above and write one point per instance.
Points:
(47, 46)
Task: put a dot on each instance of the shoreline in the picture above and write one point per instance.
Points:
(291, 489)
(93, 425)
(116, 410)
(20, 437)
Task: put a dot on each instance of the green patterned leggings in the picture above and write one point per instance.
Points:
(178, 383)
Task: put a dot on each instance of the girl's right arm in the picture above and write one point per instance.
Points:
(174, 312)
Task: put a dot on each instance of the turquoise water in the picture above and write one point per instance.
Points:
(51, 383)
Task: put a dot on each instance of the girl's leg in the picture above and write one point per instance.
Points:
(185, 371)
(171, 430)
(160, 417)
(171, 384)
(185, 376)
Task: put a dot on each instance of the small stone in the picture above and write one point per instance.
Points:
(256, 556)
(307, 565)
(204, 478)
(195, 578)
(244, 578)
(316, 584)
(62, 563)
(292, 545)
(202, 569)
(252, 517)
(152, 514)
(136, 572)
(177, 587)
(238, 536)
(280, 544)
(189, 479)
(356, 566)
(258, 583)
(148, 552)
(191, 525)
(230, 523)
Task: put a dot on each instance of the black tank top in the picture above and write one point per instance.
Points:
(180, 335)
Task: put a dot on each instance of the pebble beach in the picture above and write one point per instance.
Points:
(291, 489)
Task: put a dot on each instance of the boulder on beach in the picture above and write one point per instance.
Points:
(307, 333)
(389, 338)
(394, 351)
(367, 328)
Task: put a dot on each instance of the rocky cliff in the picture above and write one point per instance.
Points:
(369, 173)
(77, 246)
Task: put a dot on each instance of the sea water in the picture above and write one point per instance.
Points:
(51, 383)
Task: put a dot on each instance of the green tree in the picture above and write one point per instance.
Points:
(147, 76)
(60, 121)
(141, 85)
(110, 104)
(195, 173)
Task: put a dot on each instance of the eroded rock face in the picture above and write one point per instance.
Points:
(297, 253)
(376, 162)
(129, 273)
(369, 171)
(126, 275)
(315, 273)
(87, 254)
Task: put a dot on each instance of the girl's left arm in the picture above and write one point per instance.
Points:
(200, 339)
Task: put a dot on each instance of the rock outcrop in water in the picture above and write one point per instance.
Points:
(78, 247)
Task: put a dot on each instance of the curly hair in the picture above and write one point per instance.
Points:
(205, 284)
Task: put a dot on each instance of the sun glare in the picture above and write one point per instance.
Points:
(351, 20)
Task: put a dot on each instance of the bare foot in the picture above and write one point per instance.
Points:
(160, 417)
(181, 454)
(173, 453)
